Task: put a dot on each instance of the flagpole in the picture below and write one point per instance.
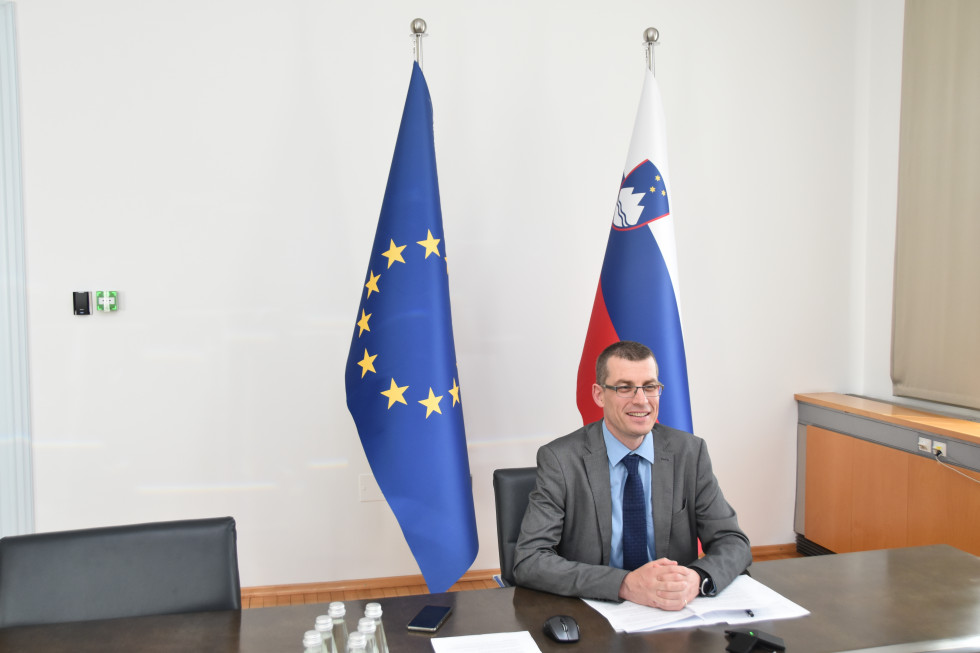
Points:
(651, 36)
(418, 31)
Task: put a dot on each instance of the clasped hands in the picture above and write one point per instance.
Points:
(661, 584)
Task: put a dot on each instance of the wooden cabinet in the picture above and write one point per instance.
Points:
(944, 507)
(829, 489)
(861, 495)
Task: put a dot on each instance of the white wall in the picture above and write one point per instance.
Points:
(222, 164)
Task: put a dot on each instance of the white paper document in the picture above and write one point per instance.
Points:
(744, 601)
(519, 642)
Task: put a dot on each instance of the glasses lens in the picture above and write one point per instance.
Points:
(630, 390)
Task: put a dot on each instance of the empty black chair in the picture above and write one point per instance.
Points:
(511, 488)
(119, 571)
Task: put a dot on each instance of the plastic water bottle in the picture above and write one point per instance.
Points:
(356, 643)
(373, 610)
(312, 642)
(367, 627)
(324, 626)
(337, 612)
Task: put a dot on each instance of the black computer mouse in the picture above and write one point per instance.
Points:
(561, 628)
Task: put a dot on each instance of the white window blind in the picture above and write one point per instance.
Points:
(936, 315)
(16, 487)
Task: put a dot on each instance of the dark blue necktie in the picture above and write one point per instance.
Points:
(634, 517)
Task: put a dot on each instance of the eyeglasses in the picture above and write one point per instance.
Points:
(629, 391)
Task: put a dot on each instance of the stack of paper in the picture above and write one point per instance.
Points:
(745, 600)
(519, 642)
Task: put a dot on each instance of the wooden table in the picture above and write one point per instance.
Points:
(856, 600)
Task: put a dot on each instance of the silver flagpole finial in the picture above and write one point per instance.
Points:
(418, 31)
(651, 37)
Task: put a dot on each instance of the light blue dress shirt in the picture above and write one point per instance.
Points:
(615, 452)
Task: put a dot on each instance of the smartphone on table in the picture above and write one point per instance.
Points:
(430, 618)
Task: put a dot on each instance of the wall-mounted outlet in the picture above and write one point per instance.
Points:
(925, 444)
(80, 300)
(939, 448)
(106, 300)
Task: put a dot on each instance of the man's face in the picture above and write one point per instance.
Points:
(628, 418)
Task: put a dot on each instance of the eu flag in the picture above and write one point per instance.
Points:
(403, 387)
(637, 298)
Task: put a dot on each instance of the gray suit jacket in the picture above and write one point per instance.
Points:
(565, 537)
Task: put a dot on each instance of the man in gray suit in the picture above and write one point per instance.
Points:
(575, 540)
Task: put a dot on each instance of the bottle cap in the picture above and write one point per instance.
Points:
(372, 610)
(356, 641)
(336, 610)
(324, 625)
(312, 638)
(366, 625)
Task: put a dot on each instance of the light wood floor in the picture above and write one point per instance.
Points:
(381, 588)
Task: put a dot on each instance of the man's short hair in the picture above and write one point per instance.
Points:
(625, 349)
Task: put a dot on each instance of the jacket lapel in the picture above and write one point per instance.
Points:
(597, 470)
(661, 491)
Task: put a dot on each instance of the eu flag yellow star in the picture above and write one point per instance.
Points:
(394, 253)
(395, 393)
(430, 244)
(454, 392)
(372, 284)
(431, 403)
(367, 363)
(363, 322)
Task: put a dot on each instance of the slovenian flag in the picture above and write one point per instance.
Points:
(403, 388)
(637, 297)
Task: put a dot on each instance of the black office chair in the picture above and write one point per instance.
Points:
(511, 488)
(119, 571)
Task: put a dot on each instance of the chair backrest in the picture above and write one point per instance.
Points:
(511, 488)
(119, 571)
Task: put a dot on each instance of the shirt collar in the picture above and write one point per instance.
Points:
(616, 450)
